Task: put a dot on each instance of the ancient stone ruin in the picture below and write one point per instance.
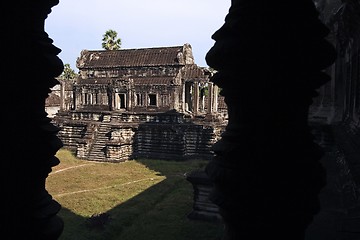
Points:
(267, 56)
(140, 103)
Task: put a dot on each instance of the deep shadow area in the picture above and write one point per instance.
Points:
(339, 216)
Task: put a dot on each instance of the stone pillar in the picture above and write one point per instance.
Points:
(131, 100)
(131, 96)
(188, 97)
(114, 101)
(196, 98)
(215, 94)
(183, 99)
(269, 57)
(78, 98)
(110, 96)
(93, 98)
(62, 96)
(30, 143)
(83, 98)
(210, 98)
(175, 104)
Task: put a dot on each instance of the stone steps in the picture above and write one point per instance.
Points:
(121, 136)
(97, 149)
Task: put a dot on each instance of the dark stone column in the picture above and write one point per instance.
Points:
(270, 57)
(29, 67)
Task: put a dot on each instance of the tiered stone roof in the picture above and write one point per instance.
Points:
(141, 57)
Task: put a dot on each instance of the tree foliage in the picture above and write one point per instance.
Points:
(68, 73)
(110, 40)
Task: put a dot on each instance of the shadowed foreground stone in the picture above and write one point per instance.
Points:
(266, 170)
(31, 142)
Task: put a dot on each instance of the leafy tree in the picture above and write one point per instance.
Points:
(111, 41)
(68, 73)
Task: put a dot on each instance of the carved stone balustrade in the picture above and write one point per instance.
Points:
(269, 57)
(29, 67)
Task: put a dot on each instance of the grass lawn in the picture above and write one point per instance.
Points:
(133, 200)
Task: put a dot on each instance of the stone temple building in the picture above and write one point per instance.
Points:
(149, 102)
(270, 57)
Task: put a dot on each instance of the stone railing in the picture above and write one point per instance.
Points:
(269, 57)
(29, 210)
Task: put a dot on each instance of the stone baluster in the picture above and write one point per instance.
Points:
(269, 57)
(30, 142)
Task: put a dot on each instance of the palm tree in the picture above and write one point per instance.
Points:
(68, 73)
(110, 40)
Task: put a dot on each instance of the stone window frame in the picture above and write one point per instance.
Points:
(152, 98)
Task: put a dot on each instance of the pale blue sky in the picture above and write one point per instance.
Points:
(75, 25)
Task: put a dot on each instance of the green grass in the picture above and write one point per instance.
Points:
(138, 199)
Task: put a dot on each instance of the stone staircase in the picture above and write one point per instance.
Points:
(121, 136)
(97, 149)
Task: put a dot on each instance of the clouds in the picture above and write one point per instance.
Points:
(79, 24)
